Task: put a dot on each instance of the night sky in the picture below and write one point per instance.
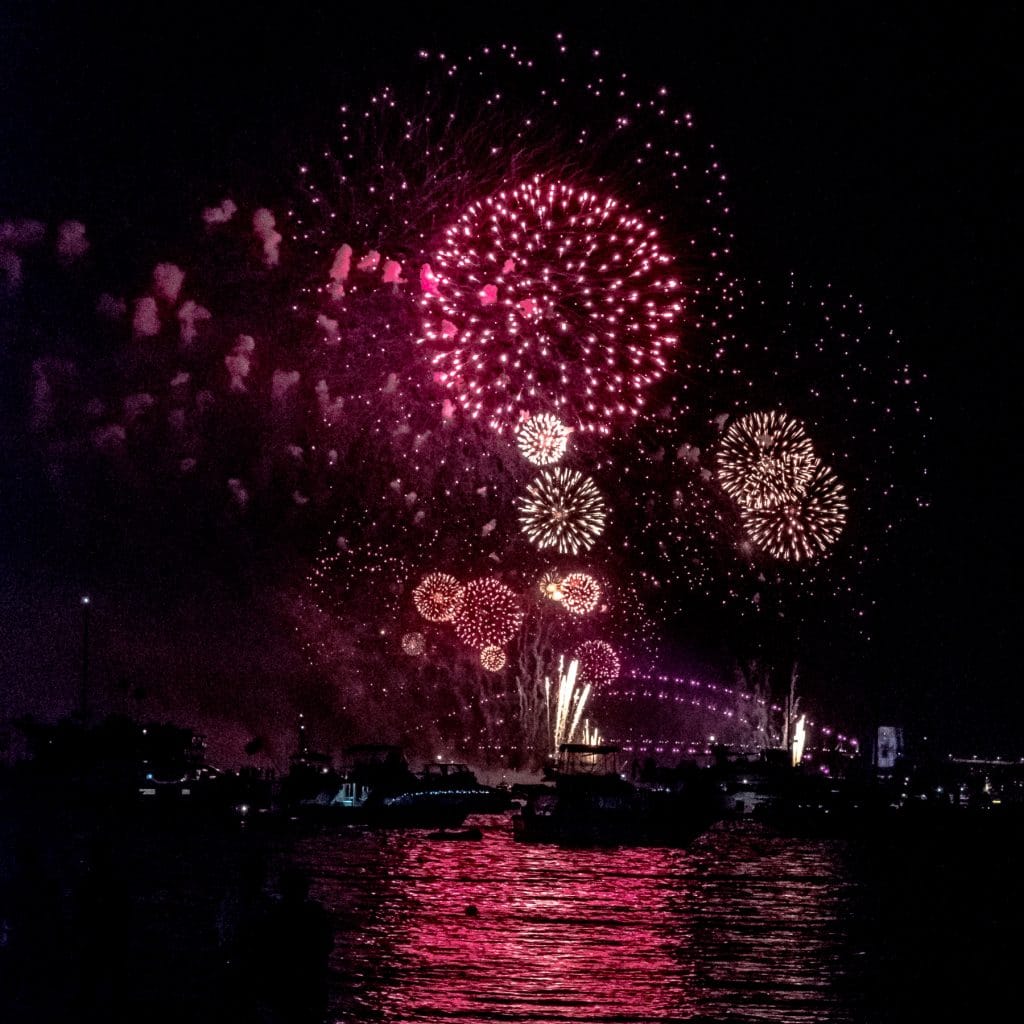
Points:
(867, 149)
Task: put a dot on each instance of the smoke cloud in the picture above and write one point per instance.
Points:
(167, 281)
(263, 225)
(146, 321)
(71, 241)
(220, 214)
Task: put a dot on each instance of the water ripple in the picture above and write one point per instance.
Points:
(742, 927)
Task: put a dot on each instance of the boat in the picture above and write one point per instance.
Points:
(592, 804)
(794, 800)
(453, 778)
(377, 788)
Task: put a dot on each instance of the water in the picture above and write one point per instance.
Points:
(744, 926)
(919, 924)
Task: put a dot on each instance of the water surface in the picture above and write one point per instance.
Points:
(742, 926)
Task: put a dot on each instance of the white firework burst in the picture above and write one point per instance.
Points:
(438, 597)
(413, 644)
(804, 527)
(550, 585)
(765, 459)
(542, 439)
(562, 509)
(492, 658)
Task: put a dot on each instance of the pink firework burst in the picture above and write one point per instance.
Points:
(492, 658)
(489, 615)
(413, 644)
(580, 593)
(552, 298)
(598, 662)
(437, 597)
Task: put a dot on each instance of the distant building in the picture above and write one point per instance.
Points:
(888, 747)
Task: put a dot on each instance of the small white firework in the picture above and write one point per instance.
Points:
(492, 658)
(542, 439)
(562, 509)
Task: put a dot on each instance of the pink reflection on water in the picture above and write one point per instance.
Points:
(552, 943)
(558, 935)
(741, 927)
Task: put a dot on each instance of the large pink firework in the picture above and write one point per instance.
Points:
(598, 662)
(489, 615)
(551, 298)
(580, 593)
(437, 597)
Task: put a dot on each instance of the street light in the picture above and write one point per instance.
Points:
(83, 692)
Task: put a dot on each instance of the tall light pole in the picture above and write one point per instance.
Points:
(83, 687)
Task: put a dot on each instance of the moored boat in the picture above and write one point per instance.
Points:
(377, 788)
(591, 803)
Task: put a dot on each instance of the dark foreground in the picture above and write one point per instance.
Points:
(154, 920)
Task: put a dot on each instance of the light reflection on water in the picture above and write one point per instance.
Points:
(741, 927)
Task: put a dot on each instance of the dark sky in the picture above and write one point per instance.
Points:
(873, 148)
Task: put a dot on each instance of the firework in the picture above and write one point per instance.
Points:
(765, 459)
(542, 439)
(803, 527)
(550, 295)
(492, 658)
(598, 662)
(816, 355)
(489, 614)
(562, 510)
(571, 697)
(580, 593)
(437, 597)
(412, 155)
(550, 585)
(570, 700)
(414, 644)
